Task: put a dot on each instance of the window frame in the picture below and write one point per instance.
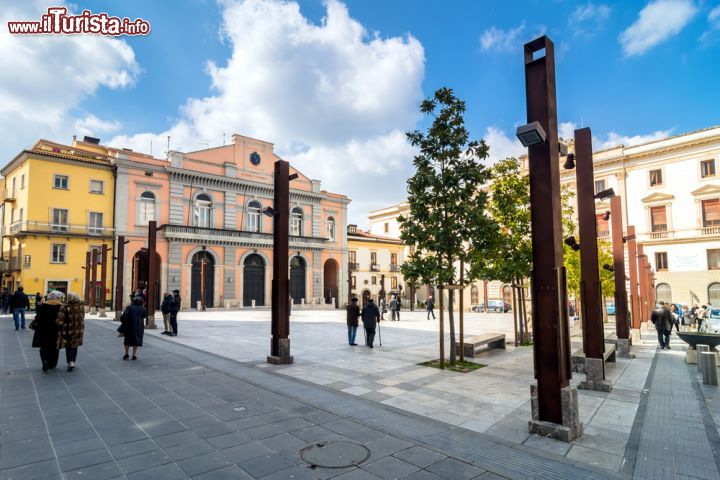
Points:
(102, 187)
(254, 216)
(393, 283)
(297, 217)
(330, 228)
(661, 262)
(650, 176)
(22, 182)
(716, 253)
(708, 161)
(595, 184)
(59, 226)
(203, 211)
(145, 206)
(353, 281)
(53, 259)
(57, 177)
(95, 229)
(705, 224)
(652, 224)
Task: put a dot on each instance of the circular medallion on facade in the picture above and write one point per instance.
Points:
(255, 158)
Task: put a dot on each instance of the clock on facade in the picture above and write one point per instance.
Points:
(255, 158)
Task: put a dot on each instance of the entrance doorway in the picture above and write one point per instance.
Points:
(196, 277)
(330, 280)
(254, 280)
(140, 275)
(297, 279)
(365, 297)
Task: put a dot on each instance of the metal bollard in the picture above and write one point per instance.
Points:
(708, 360)
(700, 349)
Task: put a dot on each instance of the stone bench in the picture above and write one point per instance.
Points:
(578, 358)
(486, 341)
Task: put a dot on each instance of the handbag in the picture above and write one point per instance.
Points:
(33, 324)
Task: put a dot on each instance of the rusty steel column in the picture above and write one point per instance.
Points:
(590, 290)
(622, 327)
(632, 260)
(280, 325)
(202, 284)
(119, 276)
(88, 267)
(485, 295)
(150, 300)
(554, 402)
(462, 308)
(103, 278)
(93, 282)
(642, 283)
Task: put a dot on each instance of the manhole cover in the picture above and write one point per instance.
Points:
(334, 454)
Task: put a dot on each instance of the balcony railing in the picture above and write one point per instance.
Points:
(15, 264)
(394, 268)
(374, 267)
(58, 229)
(354, 266)
(710, 230)
(8, 196)
(222, 235)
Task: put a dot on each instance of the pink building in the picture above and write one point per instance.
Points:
(209, 204)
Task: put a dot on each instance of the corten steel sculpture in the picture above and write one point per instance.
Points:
(554, 402)
(622, 327)
(591, 303)
(119, 276)
(93, 282)
(88, 266)
(636, 317)
(642, 283)
(103, 278)
(151, 289)
(280, 327)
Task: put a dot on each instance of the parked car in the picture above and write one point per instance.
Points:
(713, 323)
(493, 306)
(610, 308)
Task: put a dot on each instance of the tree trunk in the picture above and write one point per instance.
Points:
(526, 334)
(451, 320)
(515, 307)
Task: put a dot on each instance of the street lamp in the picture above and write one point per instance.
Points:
(572, 243)
(605, 194)
(531, 134)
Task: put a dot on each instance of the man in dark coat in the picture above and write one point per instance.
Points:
(5, 298)
(133, 326)
(662, 319)
(174, 309)
(430, 304)
(370, 318)
(46, 330)
(353, 312)
(166, 307)
(19, 302)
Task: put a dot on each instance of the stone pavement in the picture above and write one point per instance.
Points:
(181, 413)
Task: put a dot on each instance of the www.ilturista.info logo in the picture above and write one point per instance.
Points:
(57, 21)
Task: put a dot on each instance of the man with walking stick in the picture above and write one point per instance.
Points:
(370, 318)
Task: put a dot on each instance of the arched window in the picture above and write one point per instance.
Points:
(146, 208)
(663, 293)
(714, 294)
(253, 216)
(203, 208)
(331, 229)
(296, 222)
(474, 295)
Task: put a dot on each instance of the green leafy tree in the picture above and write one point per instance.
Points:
(447, 221)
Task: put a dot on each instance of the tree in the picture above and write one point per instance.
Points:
(509, 206)
(447, 221)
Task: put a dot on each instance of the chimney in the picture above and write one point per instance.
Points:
(92, 140)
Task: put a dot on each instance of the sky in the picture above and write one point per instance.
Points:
(335, 85)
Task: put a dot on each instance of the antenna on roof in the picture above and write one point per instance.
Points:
(168, 149)
(223, 139)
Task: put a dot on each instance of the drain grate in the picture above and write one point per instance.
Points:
(339, 454)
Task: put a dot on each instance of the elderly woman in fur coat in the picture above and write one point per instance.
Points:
(46, 330)
(71, 327)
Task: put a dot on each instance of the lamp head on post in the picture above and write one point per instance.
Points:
(605, 194)
(531, 134)
(569, 162)
(572, 243)
(608, 267)
(606, 215)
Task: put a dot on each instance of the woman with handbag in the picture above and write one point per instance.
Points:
(71, 327)
(132, 326)
(46, 330)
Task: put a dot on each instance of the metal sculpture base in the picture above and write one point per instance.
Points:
(623, 347)
(594, 376)
(571, 427)
(284, 358)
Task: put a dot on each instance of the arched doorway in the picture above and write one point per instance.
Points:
(330, 280)
(254, 280)
(297, 279)
(365, 297)
(196, 276)
(507, 294)
(140, 274)
(663, 293)
(714, 294)
(474, 295)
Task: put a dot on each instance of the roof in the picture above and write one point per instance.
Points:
(56, 150)
(363, 235)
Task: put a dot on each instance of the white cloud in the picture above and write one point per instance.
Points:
(614, 139)
(332, 97)
(658, 21)
(45, 77)
(713, 32)
(566, 130)
(499, 40)
(589, 18)
(501, 145)
(92, 125)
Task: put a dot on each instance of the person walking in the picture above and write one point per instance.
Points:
(394, 316)
(702, 314)
(174, 309)
(133, 326)
(675, 318)
(353, 313)
(71, 328)
(165, 307)
(687, 317)
(19, 302)
(46, 330)
(38, 300)
(662, 319)
(370, 318)
(5, 299)
(383, 307)
(430, 307)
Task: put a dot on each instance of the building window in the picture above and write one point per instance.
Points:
(661, 261)
(663, 293)
(20, 218)
(58, 253)
(603, 226)
(373, 260)
(296, 222)
(393, 282)
(353, 282)
(352, 256)
(12, 216)
(61, 182)
(147, 208)
(393, 259)
(373, 281)
(707, 168)
(474, 295)
(714, 294)
(711, 212)
(203, 208)
(13, 188)
(60, 220)
(22, 181)
(656, 178)
(95, 223)
(254, 215)
(331, 229)
(658, 219)
(599, 185)
(713, 259)
(96, 186)
(387, 227)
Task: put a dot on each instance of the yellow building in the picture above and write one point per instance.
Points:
(57, 205)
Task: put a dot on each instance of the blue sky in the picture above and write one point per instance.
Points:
(336, 84)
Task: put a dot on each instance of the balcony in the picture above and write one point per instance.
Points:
(353, 266)
(394, 268)
(710, 231)
(374, 267)
(14, 264)
(221, 236)
(67, 230)
(8, 196)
